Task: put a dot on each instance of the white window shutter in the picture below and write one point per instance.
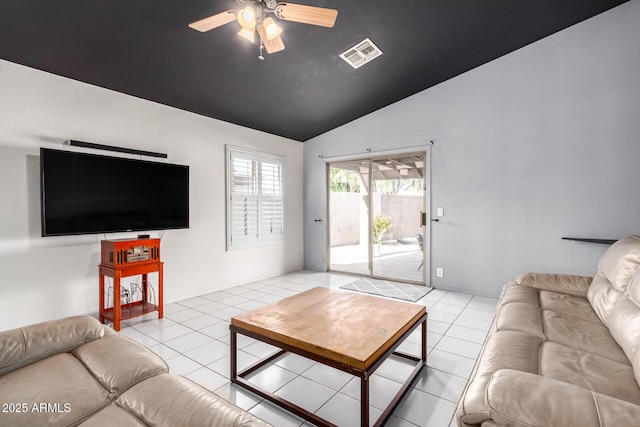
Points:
(271, 201)
(255, 209)
(244, 195)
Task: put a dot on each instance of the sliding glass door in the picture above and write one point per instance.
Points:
(349, 217)
(375, 217)
(397, 201)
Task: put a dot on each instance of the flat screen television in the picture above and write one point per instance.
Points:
(88, 194)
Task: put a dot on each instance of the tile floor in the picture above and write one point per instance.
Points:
(193, 338)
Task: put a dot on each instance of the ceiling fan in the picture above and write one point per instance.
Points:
(256, 15)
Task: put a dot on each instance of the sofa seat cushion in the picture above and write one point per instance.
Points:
(519, 399)
(520, 317)
(502, 350)
(582, 335)
(61, 381)
(522, 399)
(113, 415)
(513, 292)
(569, 306)
(119, 363)
(555, 317)
(593, 372)
(173, 400)
(510, 350)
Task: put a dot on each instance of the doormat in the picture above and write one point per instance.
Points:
(403, 291)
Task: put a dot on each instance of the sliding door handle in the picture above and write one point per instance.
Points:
(423, 219)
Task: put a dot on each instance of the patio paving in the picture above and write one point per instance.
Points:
(396, 261)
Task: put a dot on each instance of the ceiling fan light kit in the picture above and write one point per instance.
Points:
(256, 14)
(270, 45)
(248, 34)
(247, 18)
(271, 29)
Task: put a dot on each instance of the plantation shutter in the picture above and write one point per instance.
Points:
(244, 199)
(271, 200)
(256, 199)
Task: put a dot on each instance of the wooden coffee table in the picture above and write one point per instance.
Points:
(351, 332)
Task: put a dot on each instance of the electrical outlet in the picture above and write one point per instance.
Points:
(440, 212)
(440, 272)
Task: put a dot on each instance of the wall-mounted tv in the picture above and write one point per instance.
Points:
(87, 194)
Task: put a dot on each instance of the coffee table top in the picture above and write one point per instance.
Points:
(348, 328)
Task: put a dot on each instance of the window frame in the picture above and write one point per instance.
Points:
(235, 241)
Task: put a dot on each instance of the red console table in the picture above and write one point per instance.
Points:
(130, 257)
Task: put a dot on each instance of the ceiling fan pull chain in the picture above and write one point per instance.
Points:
(261, 57)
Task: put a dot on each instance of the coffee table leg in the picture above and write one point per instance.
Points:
(424, 340)
(364, 400)
(234, 355)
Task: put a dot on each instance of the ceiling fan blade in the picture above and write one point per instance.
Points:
(214, 21)
(271, 46)
(306, 14)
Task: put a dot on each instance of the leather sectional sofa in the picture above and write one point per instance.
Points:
(75, 371)
(563, 350)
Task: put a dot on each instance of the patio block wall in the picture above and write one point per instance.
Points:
(404, 211)
(344, 218)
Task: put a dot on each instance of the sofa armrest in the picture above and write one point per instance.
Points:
(519, 398)
(24, 346)
(565, 283)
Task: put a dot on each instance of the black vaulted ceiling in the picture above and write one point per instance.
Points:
(144, 48)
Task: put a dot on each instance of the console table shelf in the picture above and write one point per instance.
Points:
(128, 311)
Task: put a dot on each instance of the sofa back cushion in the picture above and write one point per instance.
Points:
(625, 325)
(21, 347)
(634, 289)
(617, 269)
(621, 262)
(603, 297)
(615, 296)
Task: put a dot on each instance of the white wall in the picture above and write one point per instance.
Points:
(536, 145)
(46, 278)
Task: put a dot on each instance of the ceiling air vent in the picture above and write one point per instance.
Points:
(361, 53)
